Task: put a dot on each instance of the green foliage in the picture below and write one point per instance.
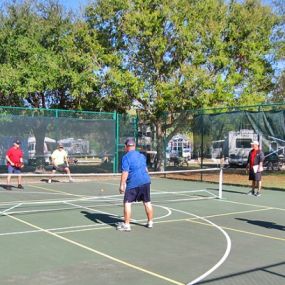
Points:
(50, 58)
(185, 54)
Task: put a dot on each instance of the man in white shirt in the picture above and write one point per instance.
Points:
(60, 162)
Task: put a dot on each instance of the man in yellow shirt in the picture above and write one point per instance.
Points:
(60, 162)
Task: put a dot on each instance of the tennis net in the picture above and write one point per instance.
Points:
(93, 190)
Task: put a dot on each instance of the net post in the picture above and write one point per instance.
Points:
(221, 183)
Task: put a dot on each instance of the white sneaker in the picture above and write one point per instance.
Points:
(149, 224)
(71, 180)
(123, 227)
(49, 181)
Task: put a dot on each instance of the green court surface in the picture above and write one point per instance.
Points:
(65, 233)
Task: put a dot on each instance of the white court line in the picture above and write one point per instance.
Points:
(84, 227)
(99, 252)
(11, 208)
(12, 192)
(141, 269)
(222, 259)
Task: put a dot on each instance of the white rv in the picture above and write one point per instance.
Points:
(48, 147)
(235, 147)
(217, 149)
(239, 143)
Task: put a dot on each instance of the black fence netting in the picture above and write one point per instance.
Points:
(89, 138)
(217, 137)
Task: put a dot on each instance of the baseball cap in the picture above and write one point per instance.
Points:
(130, 142)
(255, 143)
(17, 142)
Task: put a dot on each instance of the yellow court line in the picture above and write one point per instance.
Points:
(56, 191)
(98, 252)
(240, 231)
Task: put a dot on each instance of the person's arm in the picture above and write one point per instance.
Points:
(261, 159)
(9, 160)
(53, 159)
(66, 160)
(123, 182)
(22, 160)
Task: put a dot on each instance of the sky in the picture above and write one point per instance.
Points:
(74, 4)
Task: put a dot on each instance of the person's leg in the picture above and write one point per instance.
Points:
(8, 179)
(10, 171)
(149, 214)
(253, 187)
(67, 170)
(20, 186)
(125, 226)
(127, 212)
(258, 183)
(251, 178)
(259, 186)
(50, 178)
(148, 211)
(258, 193)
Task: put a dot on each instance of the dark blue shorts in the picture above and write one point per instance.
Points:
(13, 169)
(254, 176)
(137, 194)
(60, 167)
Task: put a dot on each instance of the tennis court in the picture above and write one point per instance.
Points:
(64, 233)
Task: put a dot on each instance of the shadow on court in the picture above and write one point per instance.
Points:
(6, 187)
(100, 218)
(46, 180)
(229, 191)
(268, 225)
(270, 269)
(107, 219)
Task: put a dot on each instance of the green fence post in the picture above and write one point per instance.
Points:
(202, 146)
(117, 132)
(135, 127)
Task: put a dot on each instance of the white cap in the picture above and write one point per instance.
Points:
(255, 143)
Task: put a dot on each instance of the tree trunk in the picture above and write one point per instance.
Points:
(160, 146)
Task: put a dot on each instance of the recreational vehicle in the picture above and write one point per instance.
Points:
(48, 147)
(236, 147)
(217, 149)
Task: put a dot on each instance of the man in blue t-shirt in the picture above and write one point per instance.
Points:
(135, 183)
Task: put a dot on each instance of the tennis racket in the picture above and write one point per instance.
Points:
(18, 165)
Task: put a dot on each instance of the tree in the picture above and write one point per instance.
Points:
(170, 56)
(48, 60)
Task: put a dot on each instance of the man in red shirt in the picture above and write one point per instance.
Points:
(255, 167)
(15, 163)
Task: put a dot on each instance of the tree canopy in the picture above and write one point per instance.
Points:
(47, 58)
